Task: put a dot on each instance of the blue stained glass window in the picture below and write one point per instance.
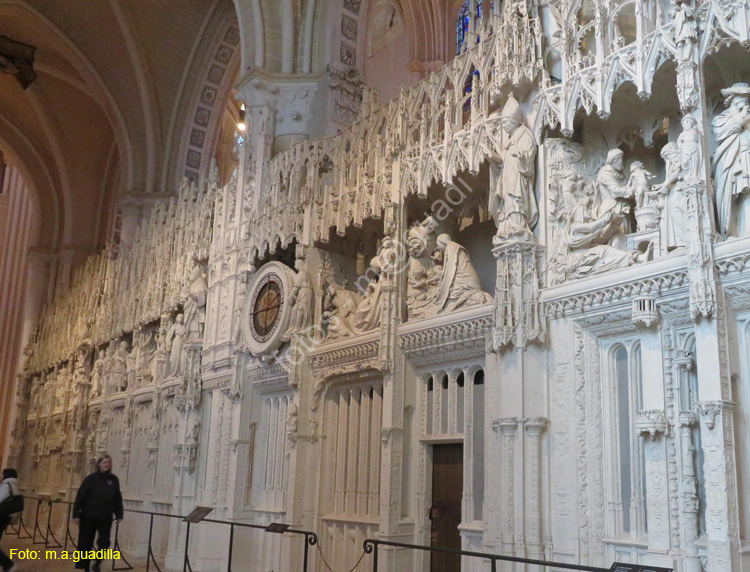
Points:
(462, 26)
(464, 23)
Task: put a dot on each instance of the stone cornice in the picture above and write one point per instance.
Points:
(447, 338)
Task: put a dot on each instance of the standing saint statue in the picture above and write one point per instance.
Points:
(175, 343)
(195, 305)
(302, 296)
(512, 204)
(731, 160)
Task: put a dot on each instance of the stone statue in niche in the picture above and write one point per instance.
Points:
(107, 369)
(646, 207)
(458, 284)
(120, 367)
(175, 344)
(589, 211)
(302, 300)
(131, 361)
(614, 199)
(292, 418)
(422, 284)
(367, 316)
(61, 387)
(689, 144)
(148, 348)
(193, 433)
(339, 312)
(685, 29)
(512, 202)
(585, 237)
(675, 213)
(731, 160)
(195, 306)
(96, 375)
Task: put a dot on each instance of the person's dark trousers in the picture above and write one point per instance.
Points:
(5, 562)
(87, 529)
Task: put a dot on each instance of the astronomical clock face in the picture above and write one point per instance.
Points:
(267, 310)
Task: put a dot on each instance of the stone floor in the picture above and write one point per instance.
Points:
(42, 563)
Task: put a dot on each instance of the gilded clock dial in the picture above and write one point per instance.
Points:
(266, 309)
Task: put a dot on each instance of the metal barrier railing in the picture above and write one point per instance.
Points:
(371, 545)
(46, 538)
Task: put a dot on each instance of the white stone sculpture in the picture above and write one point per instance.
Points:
(614, 199)
(119, 373)
(422, 280)
(731, 160)
(689, 144)
(339, 312)
(512, 201)
(586, 237)
(675, 212)
(62, 382)
(292, 418)
(195, 305)
(302, 300)
(175, 341)
(685, 29)
(458, 285)
(96, 375)
(646, 210)
(107, 369)
(147, 353)
(132, 363)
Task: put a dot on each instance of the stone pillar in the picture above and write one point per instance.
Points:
(712, 342)
(391, 362)
(507, 427)
(652, 426)
(534, 428)
(687, 423)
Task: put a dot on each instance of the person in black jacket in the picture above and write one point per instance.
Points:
(98, 499)
(8, 488)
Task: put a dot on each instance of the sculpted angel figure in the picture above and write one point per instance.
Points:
(458, 285)
(302, 296)
(731, 160)
(513, 204)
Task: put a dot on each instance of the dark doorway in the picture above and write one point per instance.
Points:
(445, 513)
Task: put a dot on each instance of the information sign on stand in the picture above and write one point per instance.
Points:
(198, 514)
(623, 567)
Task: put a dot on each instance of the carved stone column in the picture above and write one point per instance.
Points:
(507, 427)
(519, 316)
(652, 426)
(722, 522)
(534, 428)
(690, 506)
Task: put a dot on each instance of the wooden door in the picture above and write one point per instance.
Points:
(445, 513)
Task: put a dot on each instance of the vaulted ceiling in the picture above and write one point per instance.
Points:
(119, 85)
(102, 118)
